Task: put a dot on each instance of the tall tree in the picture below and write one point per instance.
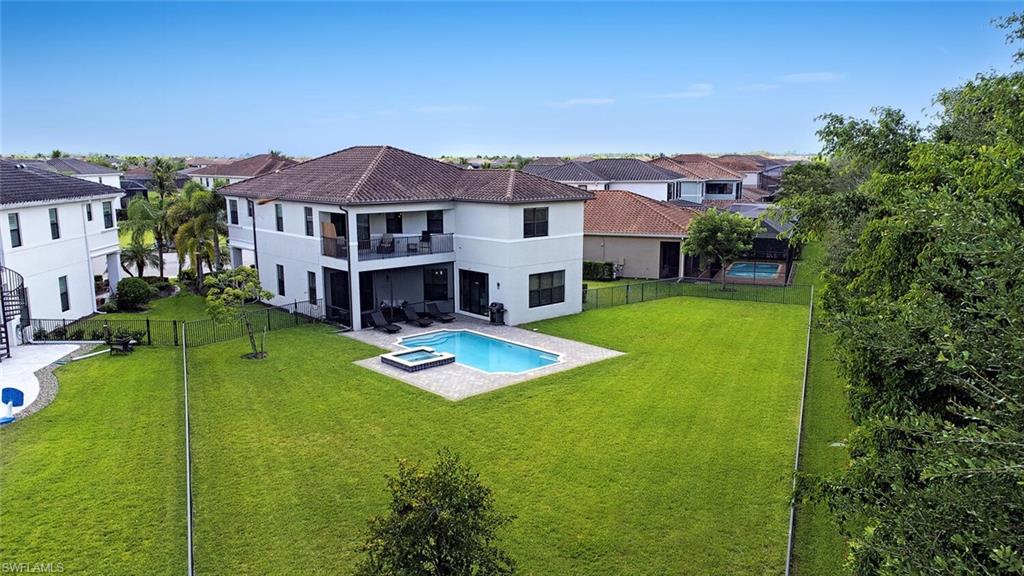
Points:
(147, 216)
(720, 236)
(228, 292)
(138, 255)
(196, 214)
(163, 170)
(441, 522)
(925, 294)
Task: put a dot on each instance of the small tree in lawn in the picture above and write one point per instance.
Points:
(227, 294)
(720, 235)
(441, 522)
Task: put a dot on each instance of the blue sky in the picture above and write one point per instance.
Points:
(307, 79)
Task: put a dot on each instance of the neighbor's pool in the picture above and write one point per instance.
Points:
(753, 269)
(483, 352)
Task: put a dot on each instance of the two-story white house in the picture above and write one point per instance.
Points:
(371, 227)
(630, 174)
(58, 233)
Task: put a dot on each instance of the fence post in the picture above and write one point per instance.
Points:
(149, 333)
(295, 312)
(268, 320)
(174, 330)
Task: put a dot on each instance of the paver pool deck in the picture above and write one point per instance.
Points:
(456, 381)
(19, 371)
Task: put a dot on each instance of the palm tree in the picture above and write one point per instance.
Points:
(196, 213)
(145, 216)
(163, 176)
(139, 255)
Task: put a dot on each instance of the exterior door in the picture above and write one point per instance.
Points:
(473, 295)
(669, 267)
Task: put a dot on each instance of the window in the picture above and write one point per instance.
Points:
(248, 207)
(547, 288)
(535, 222)
(435, 284)
(54, 224)
(108, 215)
(15, 226)
(88, 212)
(279, 217)
(65, 298)
(311, 281)
(280, 280)
(233, 211)
(393, 223)
(363, 230)
(309, 221)
(435, 221)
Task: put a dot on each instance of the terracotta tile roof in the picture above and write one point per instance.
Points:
(754, 194)
(671, 165)
(741, 162)
(246, 168)
(627, 213)
(706, 168)
(22, 183)
(382, 174)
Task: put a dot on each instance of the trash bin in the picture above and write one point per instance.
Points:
(497, 313)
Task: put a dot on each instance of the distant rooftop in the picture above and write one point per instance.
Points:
(70, 166)
(21, 183)
(247, 167)
(627, 213)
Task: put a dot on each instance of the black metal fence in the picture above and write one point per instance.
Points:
(147, 331)
(631, 293)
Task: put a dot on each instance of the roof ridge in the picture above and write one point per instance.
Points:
(511, 183)
(366, 174)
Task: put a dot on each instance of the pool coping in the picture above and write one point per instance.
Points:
(456, 381)
(557, 355)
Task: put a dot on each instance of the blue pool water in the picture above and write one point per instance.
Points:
(482, 352)
(752, 269)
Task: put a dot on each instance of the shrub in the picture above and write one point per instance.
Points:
(133, 293)
(187, 277)
(108, 306)
(598, 270)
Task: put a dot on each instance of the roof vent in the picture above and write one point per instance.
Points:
(20, 165)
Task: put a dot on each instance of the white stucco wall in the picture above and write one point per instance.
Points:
(654, 190)
(42, 260)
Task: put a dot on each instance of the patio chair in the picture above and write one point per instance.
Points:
(379, 323)
(436, 313)
(413, 317)
(386, 244)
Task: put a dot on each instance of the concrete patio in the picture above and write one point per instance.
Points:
(19, 371)
(456, 381)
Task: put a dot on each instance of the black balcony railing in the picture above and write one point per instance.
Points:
(394, 246)
(335, 247)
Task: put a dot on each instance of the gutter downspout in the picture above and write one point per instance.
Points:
(348, 260)
(255, 248)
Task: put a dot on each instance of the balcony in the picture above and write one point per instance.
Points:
(384, 246)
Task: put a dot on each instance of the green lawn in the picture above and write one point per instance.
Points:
(674, 458)
(819, 549)
(592, 284)
(96, 480)
(181, 306)
(125, 238)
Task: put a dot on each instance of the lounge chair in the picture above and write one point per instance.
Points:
(436, 313)
(379, 323)
(413, 317)
(386, 244)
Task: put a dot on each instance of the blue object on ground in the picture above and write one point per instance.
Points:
(12, 396)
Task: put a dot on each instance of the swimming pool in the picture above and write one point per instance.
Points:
(485, 353)
(753, 269)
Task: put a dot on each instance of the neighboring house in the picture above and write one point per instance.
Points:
(641, 236)
(136, 181)
(369, 227)
(760, 173)
(58, 233)
(767, 245)
(637, 176)
(703, 179)
(240, 170)
(79, 169)
(540, 164)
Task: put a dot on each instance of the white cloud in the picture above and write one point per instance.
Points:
(443, 109)
(811, 78)
(757, 87)
(699, 90)
(584, 102)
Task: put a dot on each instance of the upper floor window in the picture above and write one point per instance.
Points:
(88, 212)
(108, 215)
(393, 223)
(435, 221)
(15, 225)
(309, 221)
(311, 283)
(280, 280)
(535, 222)
(547, 288)
(65, 296)
(279, 217)
(54, 224)
(233, 211)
